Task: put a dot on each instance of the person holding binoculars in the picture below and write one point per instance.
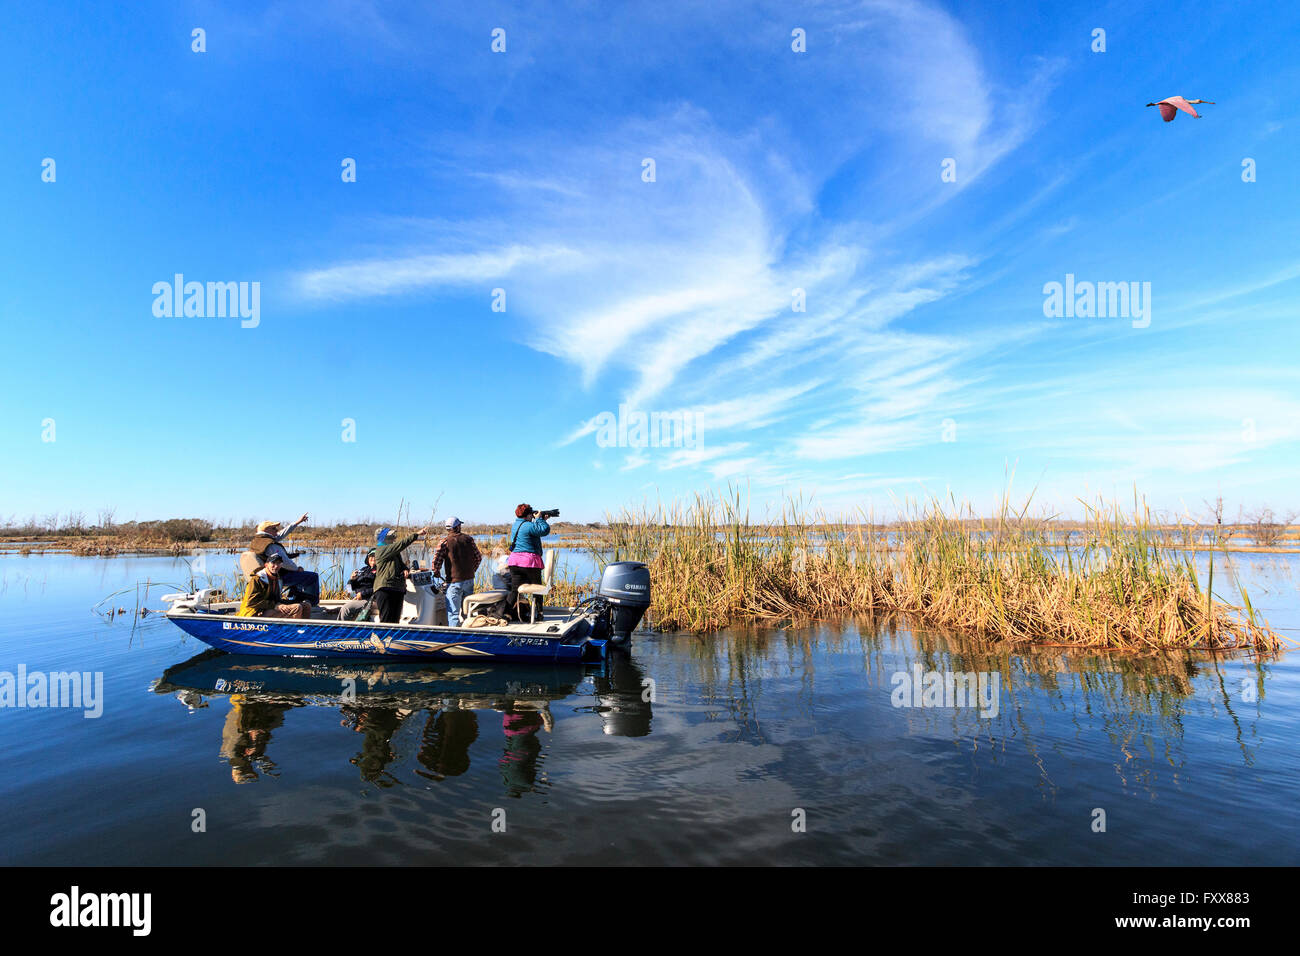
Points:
(525, 559)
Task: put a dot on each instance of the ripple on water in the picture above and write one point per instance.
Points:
(745, 732)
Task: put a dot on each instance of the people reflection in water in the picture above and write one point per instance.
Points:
(444, 747)
(246, 734)
(378, 724)
(451, 728)
(518, 764)
(448, 734)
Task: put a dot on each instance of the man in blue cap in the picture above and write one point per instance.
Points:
(391, 573)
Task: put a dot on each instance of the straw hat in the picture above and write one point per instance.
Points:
(267, 526)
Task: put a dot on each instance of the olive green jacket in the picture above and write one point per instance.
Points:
(389, 564)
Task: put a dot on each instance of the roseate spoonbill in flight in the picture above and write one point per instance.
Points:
(1170, 106)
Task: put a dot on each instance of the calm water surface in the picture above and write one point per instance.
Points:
(1193, 762)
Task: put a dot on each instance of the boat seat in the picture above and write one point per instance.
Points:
(535, 592)
(249, 561)
(472, 601)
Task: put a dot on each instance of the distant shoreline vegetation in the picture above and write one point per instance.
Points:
(73, 533)
(1117, 580)
(1260, 531)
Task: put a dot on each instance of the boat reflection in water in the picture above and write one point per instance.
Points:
(376, 700)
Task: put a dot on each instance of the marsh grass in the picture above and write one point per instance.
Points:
(1116, 584)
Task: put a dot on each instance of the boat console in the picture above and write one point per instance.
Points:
(425, 602)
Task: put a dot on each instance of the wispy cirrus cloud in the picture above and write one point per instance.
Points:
(412, 273)
(735, 266)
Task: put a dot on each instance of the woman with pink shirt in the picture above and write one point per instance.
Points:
(525, 560)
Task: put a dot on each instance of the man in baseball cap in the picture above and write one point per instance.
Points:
(264, 593)
(460, 556)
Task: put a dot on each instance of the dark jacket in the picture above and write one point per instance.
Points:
(460, 554)
(389, 564)
(363, 581)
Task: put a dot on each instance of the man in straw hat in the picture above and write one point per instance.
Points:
(299, 585)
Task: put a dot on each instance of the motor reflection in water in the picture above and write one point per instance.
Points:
(625, 698)
(376, 700)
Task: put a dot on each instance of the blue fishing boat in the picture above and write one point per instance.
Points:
(552, 635)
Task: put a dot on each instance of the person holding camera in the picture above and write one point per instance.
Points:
(362, 584)
(525, 560)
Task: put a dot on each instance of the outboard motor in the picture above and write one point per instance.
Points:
(626, 586)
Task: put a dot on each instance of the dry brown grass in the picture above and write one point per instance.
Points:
(1001, 578)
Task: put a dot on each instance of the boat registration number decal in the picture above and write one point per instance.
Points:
(228, 626)
(238, 685)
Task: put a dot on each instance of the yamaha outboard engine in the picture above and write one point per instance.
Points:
(626, 586)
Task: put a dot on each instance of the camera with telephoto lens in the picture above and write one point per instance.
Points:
(552, 513)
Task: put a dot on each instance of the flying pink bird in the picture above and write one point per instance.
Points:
(1170, 106)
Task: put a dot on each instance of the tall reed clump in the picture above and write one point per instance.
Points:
(1007, 577)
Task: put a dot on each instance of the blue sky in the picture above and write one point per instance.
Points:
(774, 170)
